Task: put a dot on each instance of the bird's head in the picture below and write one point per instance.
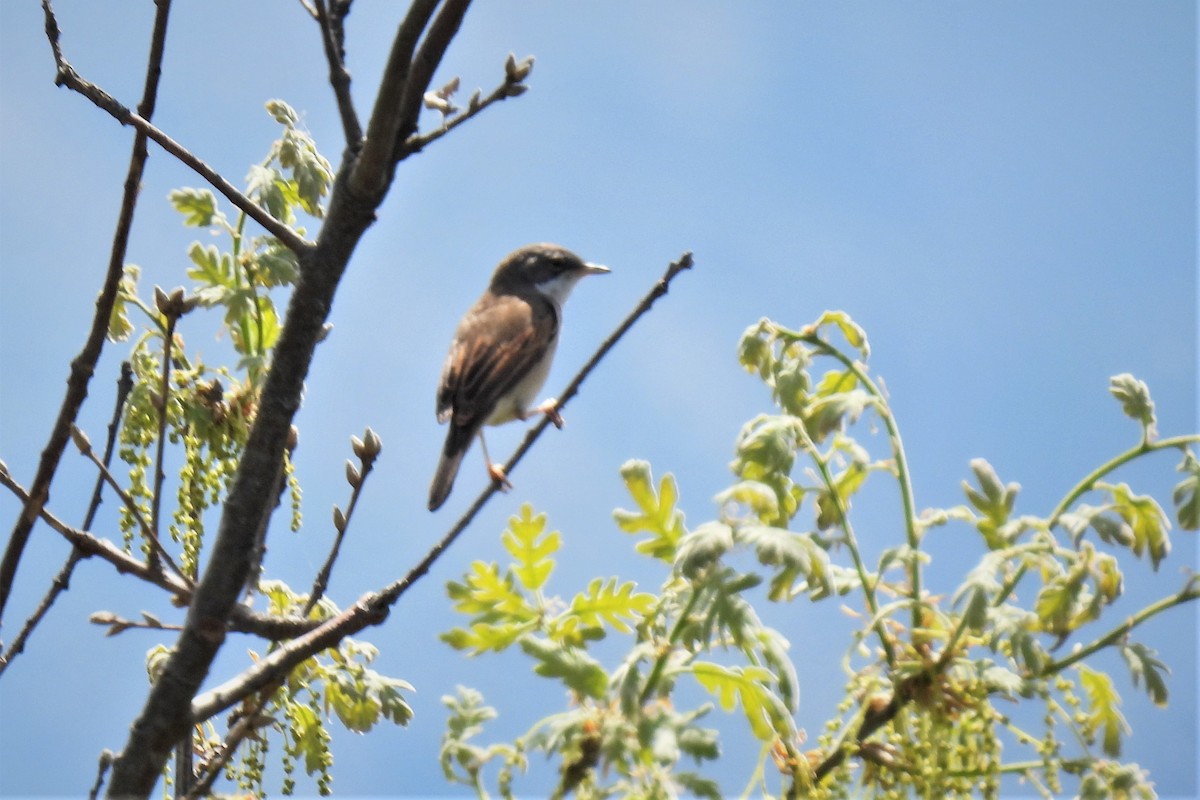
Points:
(547, 268)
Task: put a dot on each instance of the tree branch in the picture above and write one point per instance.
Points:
(84, 364)
(441, 33)
(67, 76)
(372, 170)
(62, 581)
(359, 187)
(332, 36)
(373, 608)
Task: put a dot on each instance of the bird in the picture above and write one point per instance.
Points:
(501, 354)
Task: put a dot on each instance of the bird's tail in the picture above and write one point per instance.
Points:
(458, 439)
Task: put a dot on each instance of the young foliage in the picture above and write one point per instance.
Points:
(206, 413)
(920, 715)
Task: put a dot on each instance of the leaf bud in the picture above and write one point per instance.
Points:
(339, 519)
(161, 301)
(81, 440)
(517, 71)
(293, 438)
(352, 475)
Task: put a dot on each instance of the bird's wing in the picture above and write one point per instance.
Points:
(495, 346)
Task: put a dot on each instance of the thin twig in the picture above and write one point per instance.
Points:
(95, 546)
(105, 761)
(249, 721)
(156, 546)
(164, 397)
(332, 36)
(373, 608)
(62, 581)
(356, 477)
(84, 364)
(67, 76)
(418, 141)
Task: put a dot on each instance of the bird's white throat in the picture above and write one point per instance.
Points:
(560, 286)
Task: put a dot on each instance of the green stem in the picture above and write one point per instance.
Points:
(1088, 483)
(1186, 595)
(902, 474)
(660, 663)
(851, 543)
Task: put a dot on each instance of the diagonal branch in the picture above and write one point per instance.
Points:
(373, 609)
(84, 364)
(67, 76)
(62, 581)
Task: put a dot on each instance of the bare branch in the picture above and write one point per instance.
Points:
(441, 33)
(92, 545)
(368, 450)
(372, 170)
(418, 141)
(84, 364)
(62, 581)
(333, 37)
(67, 76)
(148, 532)
(373, 609)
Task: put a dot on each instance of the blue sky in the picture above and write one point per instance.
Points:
(1003, 194)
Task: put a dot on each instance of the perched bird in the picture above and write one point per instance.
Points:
(501, 354)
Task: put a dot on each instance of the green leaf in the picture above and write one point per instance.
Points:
(309, 737)
(699, 549)
(746, 687)
(604, 602)
(1134, 397)
(119, 325)
(1000, 679)
(579, 671)
(211, 267)
(524, 541)
(1144, 665)
(994, 500)
(657, 514)
(489, 596)
(855, 335)
(766, 448)
(754, 349)
(1056, 602)
(1146, 520)
(827, 414)
(1110, 530)
(275, 265)
(1103, 702)
(484, 636)
(836, 382)
(283, 113)
(755, 495)
(798, 557)
(698, 786)
(268, 188)
(198, 206)
(1186, 495)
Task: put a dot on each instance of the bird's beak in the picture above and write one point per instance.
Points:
(595, 269)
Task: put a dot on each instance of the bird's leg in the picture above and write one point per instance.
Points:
(549, 407)
(494, 470)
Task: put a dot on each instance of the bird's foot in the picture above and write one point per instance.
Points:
(549, 407)
(497, 473)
